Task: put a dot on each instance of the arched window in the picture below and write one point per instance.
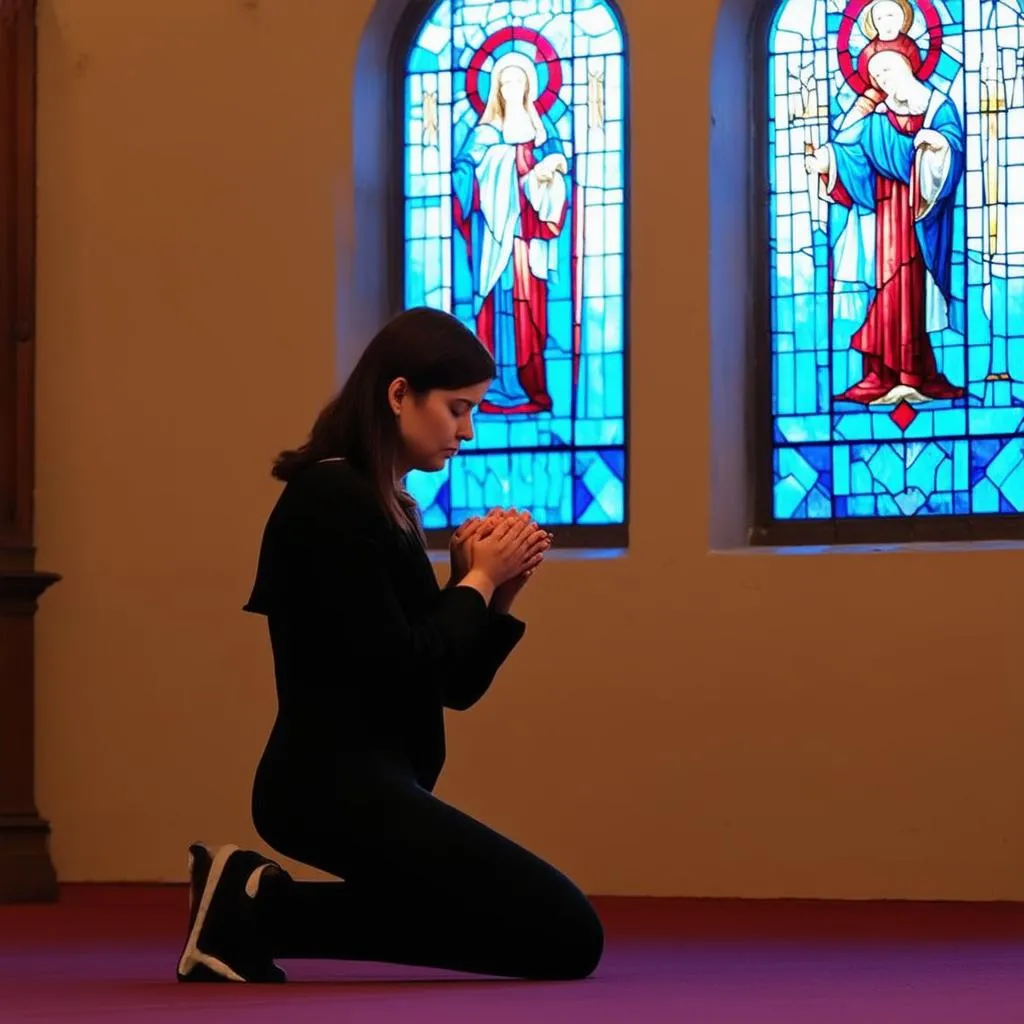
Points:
(514, 172)
(894, 153)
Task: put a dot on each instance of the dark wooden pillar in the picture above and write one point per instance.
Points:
(26, 872)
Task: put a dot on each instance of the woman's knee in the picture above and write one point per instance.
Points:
(573, 941)
(584, 945)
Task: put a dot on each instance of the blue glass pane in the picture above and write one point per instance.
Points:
(432, 494)
(897, 339)
(534, 262)
(803, 482)
(599, 491)
(902, 479)
(997, 469)
(540, 482)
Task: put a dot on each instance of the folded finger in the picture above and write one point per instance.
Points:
(504, 528)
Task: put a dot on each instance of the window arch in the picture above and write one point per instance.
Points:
(892, 137)
(518, 226)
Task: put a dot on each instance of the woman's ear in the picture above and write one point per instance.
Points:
(397, 390)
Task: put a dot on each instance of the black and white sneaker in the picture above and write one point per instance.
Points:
(224, 941)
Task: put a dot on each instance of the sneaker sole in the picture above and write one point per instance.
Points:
(191, 956)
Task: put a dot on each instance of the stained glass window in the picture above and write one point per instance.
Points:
(896, 165)
(515, 199)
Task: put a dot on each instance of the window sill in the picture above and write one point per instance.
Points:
(907, 548)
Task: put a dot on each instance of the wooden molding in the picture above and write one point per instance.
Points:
(26, 871)
(20, 589)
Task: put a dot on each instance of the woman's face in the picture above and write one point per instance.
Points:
(432, 426)
(512, 86)
(888, 18)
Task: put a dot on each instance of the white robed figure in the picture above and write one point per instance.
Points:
(511, 200)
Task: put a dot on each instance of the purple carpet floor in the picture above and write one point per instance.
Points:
(107, 953)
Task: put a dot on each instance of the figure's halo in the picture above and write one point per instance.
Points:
(531, 46)
(847, 63)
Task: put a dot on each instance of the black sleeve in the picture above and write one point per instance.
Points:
(465, 686)
(346, 540)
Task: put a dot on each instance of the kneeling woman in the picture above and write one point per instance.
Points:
(368, 651)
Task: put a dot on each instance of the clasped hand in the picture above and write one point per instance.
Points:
(928, 138)
(817, 162)
(506, 545)
(552, 164)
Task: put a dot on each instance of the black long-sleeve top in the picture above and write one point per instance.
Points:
(368, 649)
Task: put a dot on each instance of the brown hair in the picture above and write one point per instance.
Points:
(430, 349)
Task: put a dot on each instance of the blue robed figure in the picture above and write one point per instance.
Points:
(893, 170)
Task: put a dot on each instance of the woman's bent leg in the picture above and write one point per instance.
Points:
(427, 885)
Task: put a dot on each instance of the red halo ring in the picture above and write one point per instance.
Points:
(545, 54)
(855, 9)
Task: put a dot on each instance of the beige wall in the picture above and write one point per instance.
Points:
(677, 723)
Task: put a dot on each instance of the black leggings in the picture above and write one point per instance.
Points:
(424, 884)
